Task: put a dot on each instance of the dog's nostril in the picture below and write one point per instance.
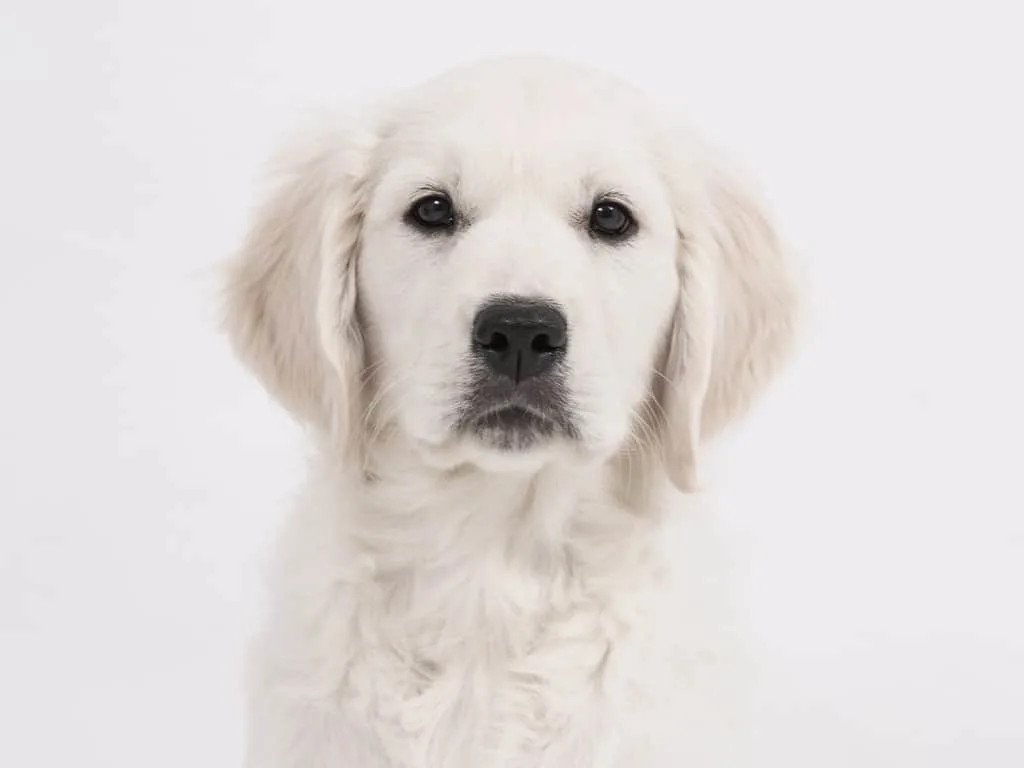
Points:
(542, 343)
(497, 343)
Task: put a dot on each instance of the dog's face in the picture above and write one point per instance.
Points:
(517, 271)
(512, 263)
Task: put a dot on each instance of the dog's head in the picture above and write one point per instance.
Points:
(514, 262)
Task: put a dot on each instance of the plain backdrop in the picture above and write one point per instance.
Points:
(873, 501)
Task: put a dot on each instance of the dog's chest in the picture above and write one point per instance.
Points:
(532, 664)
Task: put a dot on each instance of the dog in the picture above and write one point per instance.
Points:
(509, 304)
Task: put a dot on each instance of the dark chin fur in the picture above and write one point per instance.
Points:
(512, 428)
(516, 418)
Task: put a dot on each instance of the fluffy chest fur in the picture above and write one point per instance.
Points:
(504, 622)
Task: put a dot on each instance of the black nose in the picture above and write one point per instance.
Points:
(519, 337)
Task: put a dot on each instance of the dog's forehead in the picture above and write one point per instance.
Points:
(495, 127)
(527, 85)
(517, 143)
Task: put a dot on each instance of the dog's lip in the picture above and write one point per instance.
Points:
(510, 414)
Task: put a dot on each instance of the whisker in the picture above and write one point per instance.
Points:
(383, 390)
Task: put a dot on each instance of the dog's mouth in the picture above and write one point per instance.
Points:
(510, 427)
(514, 422)
(510, 416)
(514, 418)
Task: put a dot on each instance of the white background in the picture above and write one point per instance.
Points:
(874, 499)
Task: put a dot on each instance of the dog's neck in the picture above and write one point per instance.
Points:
(408, 514)
(437, 553)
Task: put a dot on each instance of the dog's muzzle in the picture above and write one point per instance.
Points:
(518, 392)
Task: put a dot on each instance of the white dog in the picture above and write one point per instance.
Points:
(509, 304)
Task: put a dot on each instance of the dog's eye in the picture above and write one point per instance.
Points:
(432, 212)
(611, 220)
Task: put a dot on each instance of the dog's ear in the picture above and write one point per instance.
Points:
(736, 314)
(291, 290)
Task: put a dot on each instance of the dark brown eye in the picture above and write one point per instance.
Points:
(433, 212)
(611, 220)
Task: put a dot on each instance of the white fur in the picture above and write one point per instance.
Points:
(438, 603)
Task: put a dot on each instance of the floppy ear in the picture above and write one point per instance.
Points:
(735, 318)
(291, 290)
